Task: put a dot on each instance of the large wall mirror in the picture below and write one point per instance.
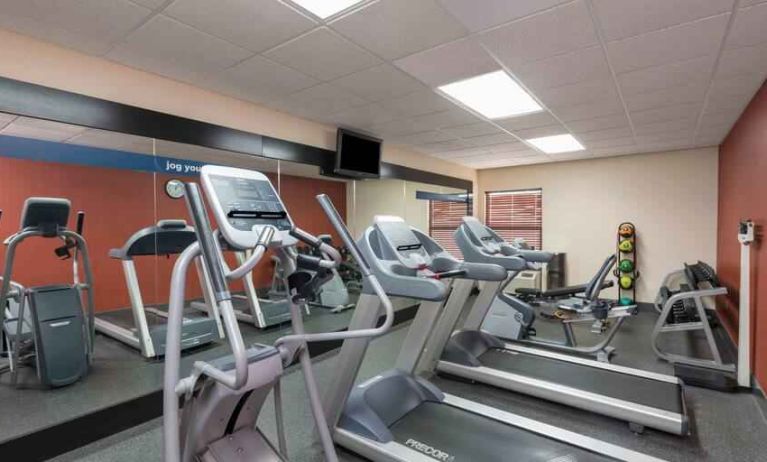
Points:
(129, 189)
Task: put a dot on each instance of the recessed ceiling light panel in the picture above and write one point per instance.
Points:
(325, 8)
(494, 95)
(557, 144)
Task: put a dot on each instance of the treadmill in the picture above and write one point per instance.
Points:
(398, 416)
(247, 306)
(642, 398)
(144, 327)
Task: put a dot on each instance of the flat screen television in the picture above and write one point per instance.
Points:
(357, 155)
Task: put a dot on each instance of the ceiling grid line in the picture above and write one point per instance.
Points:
(613, 74)
(715, 68)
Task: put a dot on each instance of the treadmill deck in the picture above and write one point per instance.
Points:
(640, 390)
(448, 433)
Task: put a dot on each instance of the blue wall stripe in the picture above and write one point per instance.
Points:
(52, 151)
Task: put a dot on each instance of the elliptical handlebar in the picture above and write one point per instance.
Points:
(338, 223)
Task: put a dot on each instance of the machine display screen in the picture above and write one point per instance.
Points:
(249, 202)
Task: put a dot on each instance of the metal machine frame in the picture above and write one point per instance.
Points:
(351, 410)
(35, 332)
(459, 353)
(247, 306)
(222, 399)
(199, 331)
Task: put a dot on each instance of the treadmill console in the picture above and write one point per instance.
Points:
(402, 241)
(481, 234)
(243, 202)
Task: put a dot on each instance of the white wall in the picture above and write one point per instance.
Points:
(671, 197)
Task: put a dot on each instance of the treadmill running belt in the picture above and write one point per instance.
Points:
(639, 390)
(448, 433)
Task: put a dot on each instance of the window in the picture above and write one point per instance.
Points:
(516, 214)
(444, 218)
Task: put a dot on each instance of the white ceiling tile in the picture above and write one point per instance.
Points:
(668, 126)
(153, 4)
(675, 139)
(507, 149)
(91, 26)
(749, 27)
(467, 152)
(324, 99)
(395, 128)
(709, 140)
(168, 47)
(419, 102)
(494, 12)
(681, 94)
(442, 146)
(585, 64)
(396, 28)
(598, 123)
(259, 79)
(534, 120)
(744, 60)
(716, 119)
(425, 138)
(614, 151)
(532, 39)
(490, 140)
(667, 75)
(680, 111)
(470, 130)
(449, 62)
(578, 93)
(364, 116)
(593, 145)
(378, 83)
(449, 118)
(626, 18)
(604, 107)
(538, 132)
(253, 24)
(713, 134)
(738, 85)
(698, 38)
(510, 162)
(322, 54)
(113, 140)
(606, 134)
(569, 156)
(721, 102)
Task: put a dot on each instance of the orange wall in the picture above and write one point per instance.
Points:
(742, 194)
(117, 203)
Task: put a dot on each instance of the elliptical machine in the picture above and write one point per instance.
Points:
(48, 325)
(223, 398)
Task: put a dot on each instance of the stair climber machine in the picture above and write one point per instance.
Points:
(222, 399)
(686, 304)
(48, 326)
(144, 327)
(399, 416)
(639, 397)
(512, 318)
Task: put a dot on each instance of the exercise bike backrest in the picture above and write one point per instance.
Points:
(597, 283)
